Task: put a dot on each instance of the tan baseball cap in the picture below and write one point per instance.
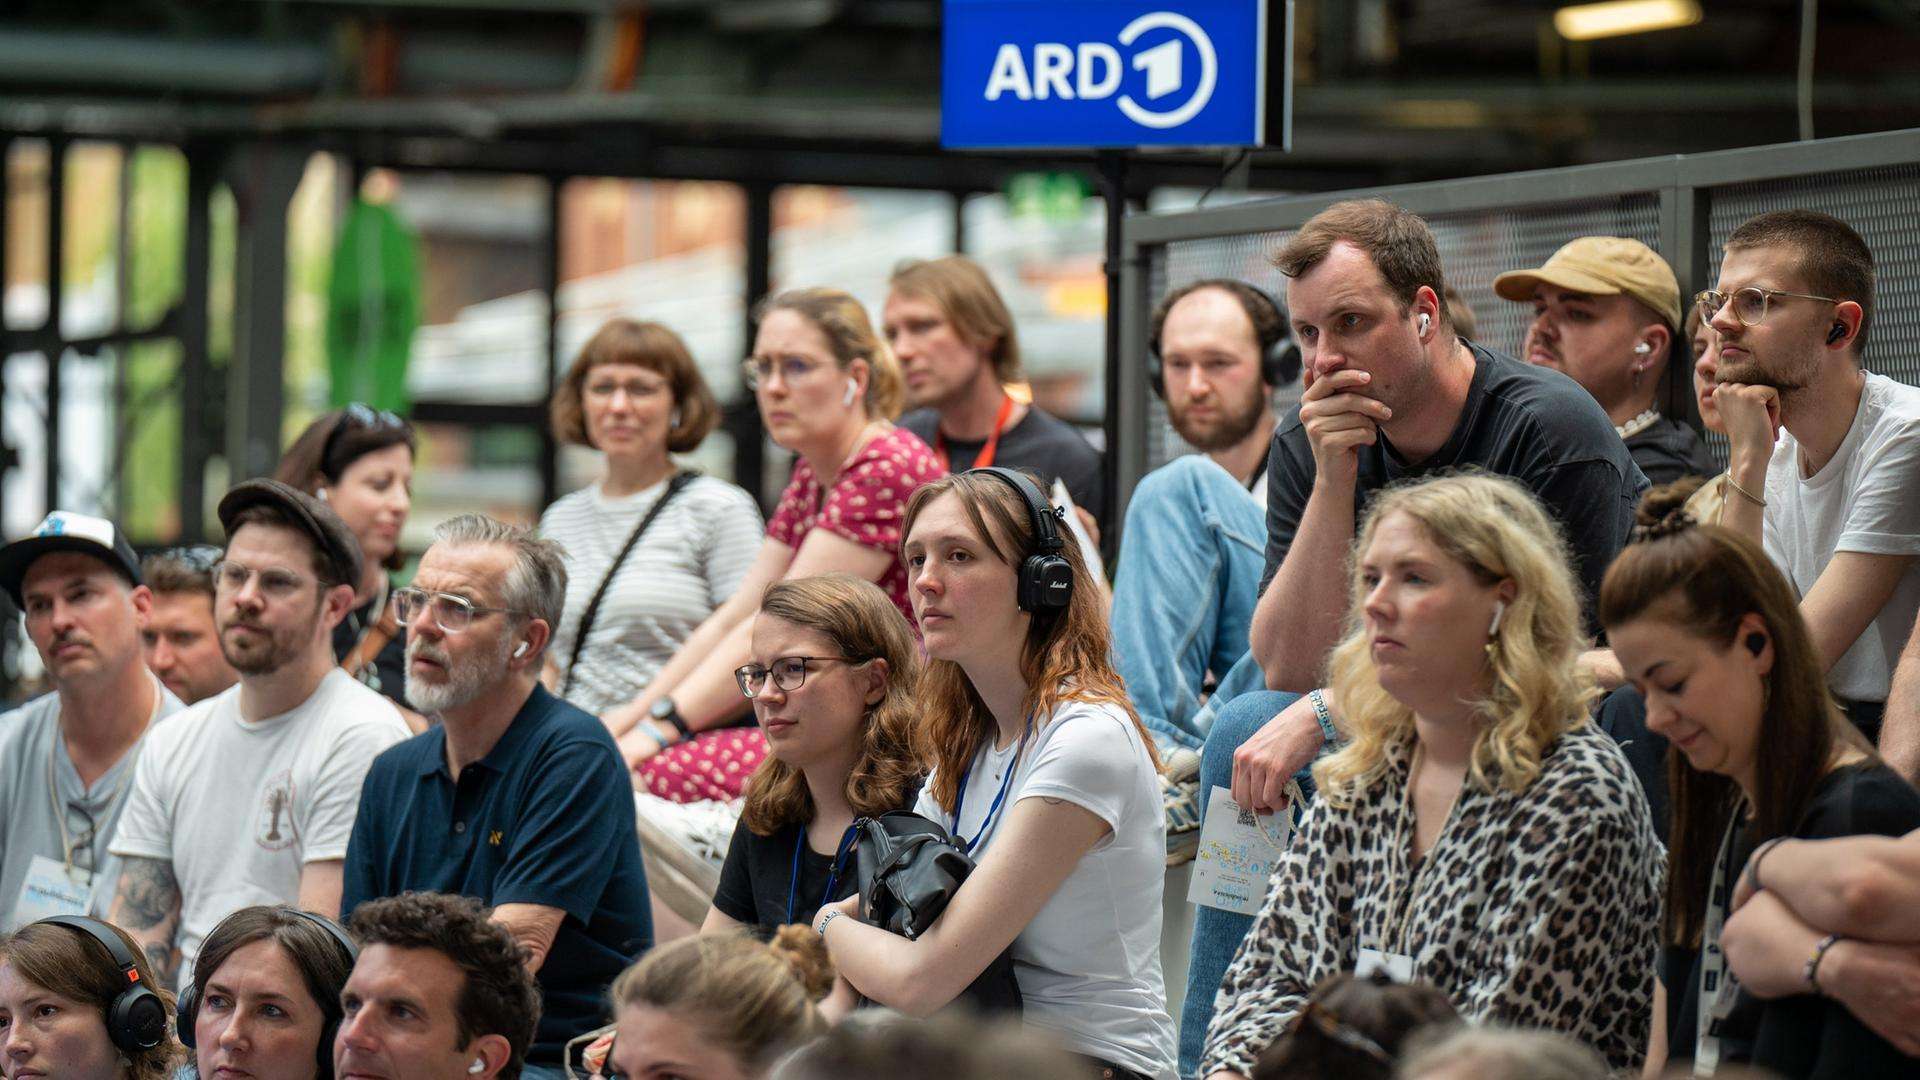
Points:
(1602, 266)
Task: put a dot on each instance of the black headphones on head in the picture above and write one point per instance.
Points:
(136, 1017)
(189, 1007)
(1279, 357)
(1045, 577)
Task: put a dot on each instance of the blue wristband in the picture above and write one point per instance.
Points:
(1325, 717)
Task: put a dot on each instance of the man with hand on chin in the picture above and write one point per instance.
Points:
(515, 798)
(1391, 393)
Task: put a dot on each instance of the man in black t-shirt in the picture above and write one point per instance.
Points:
(1606, 311)
(955, 341)
(1392, 393)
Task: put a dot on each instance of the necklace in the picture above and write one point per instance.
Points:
(1638, 424)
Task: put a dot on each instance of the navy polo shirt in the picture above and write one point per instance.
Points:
(545, 818)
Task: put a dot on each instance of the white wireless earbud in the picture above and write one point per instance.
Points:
(1499, 609)
(321, 494)
(853, 391)
(1642, 349)
(479, 1066)
(1425, 321)
(520, 651)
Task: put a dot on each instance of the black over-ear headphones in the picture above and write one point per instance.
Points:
(189, 1006)
(1279, 356)
(1045, 577)
(136, 1017)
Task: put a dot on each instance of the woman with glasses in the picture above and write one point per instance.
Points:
(828, 390)
(652, 550)
(1477, 832)
(832, 674)
(1711, 634)
(359, 461)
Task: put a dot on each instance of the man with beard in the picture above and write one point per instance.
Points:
(1606, 312)
(1192, 549)
(65, 756)
(955, 341)
(248, 797)
(182, 645)
(515, 797)
(1833, 495)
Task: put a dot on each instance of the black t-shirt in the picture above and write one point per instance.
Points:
(1529, 423)
(388, 672)
(1039, 443)
(1806, 1035)
(1668, 450)
(758, 872)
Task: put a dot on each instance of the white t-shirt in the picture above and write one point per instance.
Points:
(690, 561)
(1866, 499)
(1088, 964)
(240, 808)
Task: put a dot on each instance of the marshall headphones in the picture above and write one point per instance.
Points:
(1279, 356)
(189, 1006)
(1045, 577)
(136, 1017)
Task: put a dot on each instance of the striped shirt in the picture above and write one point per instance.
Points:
(690, 561)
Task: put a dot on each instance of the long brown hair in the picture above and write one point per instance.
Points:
(337, 439)
(1068, 654)
(863, 625)
(73, 965)
(1704, 579)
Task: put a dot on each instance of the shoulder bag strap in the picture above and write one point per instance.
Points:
(674, 487)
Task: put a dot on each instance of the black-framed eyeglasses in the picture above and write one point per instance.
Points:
(1750, 305)
(789, 673)
(276, 582)
(1328, 1023)
(451, 611)
(199, 558)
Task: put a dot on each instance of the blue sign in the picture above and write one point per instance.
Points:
(1106, 73)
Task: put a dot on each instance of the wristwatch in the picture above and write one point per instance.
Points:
(666, 712)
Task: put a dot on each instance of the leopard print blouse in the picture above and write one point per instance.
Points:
(1538, 909)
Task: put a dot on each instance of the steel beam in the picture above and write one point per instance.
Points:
(263, 177)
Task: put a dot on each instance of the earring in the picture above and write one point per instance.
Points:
(673, 418)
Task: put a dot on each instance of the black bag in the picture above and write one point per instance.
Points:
(909, 870)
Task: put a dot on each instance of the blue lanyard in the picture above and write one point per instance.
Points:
(960, 800)
(833, 876)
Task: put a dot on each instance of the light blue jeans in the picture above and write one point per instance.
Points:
(1191, 556)
(1217, 934)
(531, 1071)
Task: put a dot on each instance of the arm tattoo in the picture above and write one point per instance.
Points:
(147, 905)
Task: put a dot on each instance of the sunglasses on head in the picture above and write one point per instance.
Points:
(359, 416)
(200, 558)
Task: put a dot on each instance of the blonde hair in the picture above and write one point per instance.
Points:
(750, 999)
(1499, 532)
(1068, 654)
(850, 335)
(966, 296)
(863, 625)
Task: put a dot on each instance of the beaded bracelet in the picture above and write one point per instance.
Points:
(1324, 716)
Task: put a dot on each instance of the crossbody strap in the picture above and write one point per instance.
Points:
(674, 486)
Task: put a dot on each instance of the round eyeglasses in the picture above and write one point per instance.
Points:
(451, 611)
(789, 673)
(1750, 304)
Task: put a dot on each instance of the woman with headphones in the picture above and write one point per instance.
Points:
(78, 1002)
(1041, 772)
(265, 999)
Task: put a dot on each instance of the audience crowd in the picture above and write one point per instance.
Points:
(1588, 757)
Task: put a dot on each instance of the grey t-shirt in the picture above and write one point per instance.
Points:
(30, 749)
(1040, 443)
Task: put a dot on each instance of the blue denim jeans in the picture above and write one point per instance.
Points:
(530, 1071)
(1191, 556)
(1217, 934)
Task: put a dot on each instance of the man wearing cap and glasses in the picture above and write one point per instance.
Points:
(181, 643)
(515, 798)
(249, 797)
(1606, 311)
(66, 757)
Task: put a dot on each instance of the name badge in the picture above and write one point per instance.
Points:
(52, 888)
(1238, 849)
(1392, 965)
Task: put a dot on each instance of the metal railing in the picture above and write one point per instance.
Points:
(1683, 206)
